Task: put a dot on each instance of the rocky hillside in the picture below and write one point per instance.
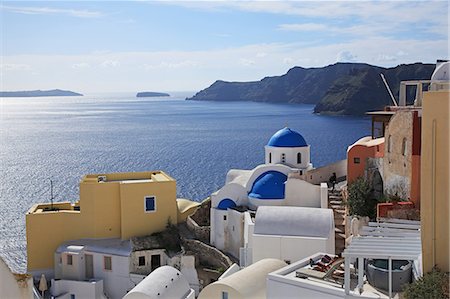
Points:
(342, 88)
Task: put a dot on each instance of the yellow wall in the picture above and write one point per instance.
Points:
(100, 206)
(111, 209)
(137, 222)
(435, 180)
(46, 231)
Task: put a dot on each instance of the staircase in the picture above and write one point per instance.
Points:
(335, 202)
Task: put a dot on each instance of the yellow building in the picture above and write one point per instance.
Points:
(115, 205)
(435, 179)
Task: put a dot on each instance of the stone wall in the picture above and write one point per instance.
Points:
(398, 155)
(207, 254)
(202, 214)
(200, 232)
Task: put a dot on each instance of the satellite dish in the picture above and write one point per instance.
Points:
(442, 72)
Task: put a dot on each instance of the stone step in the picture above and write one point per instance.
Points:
(335, 202)
(337, 207)
(338, 230)
(339, 222)
(339, 236)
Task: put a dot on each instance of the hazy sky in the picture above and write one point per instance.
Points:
(108, 46)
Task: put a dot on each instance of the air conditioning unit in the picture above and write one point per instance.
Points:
(101, 178)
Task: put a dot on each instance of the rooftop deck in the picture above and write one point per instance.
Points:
(127, 177)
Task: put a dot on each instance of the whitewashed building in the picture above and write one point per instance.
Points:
(95, 268)
(164, 283)
(278, 182)
(290, 233)
(395, 244)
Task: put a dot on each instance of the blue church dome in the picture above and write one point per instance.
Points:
(269, 185)
(287, 138)
(226, 203)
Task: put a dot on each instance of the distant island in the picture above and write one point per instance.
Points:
(146, 94)
(39, 93)
(341, 88)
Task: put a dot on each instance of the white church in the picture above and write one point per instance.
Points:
(278, 183)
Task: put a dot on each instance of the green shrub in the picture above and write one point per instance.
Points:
(359, 201)
(433, 285)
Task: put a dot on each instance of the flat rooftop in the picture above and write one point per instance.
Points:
(127, 177)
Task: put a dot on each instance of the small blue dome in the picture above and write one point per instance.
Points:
(269, 185)
(287, 138)
(226, 203)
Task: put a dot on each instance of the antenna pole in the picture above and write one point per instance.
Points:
(51, 194)
(389, 90)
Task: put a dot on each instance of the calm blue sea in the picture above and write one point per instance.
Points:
(63, 138)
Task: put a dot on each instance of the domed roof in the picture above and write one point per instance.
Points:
(163, 283)
(287, 138)
(226, 203)
(269, 185)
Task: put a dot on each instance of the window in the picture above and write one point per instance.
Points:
(150, 204)
(404, 143)
(224, 295)
(72, 296)
(224, 217)
(299, 158)
(107, 263)
(356, 160)
(270, 157)
(142, 261)
(69, 260)
(283, 158)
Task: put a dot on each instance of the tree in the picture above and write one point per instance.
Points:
(359, 201)
(433, 285)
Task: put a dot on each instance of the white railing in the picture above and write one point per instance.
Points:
(421, 86)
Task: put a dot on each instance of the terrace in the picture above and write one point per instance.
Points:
(377, 263)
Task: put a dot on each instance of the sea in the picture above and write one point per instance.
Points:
(196, 142)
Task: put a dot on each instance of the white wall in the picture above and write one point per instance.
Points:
(234, 232)
(302, 194)
(218, 224)
(290, 156)
(10, 287)
(81, 289)
(323, 174)
(116, 282)
(76, 270)
(233, 191)
(260, 169)
(287, 289)
(289, 248)
(187, 268)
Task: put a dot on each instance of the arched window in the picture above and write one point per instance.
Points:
(299, 158)
(270, 157)
(404, 142)
(389, 144)
(283, 158)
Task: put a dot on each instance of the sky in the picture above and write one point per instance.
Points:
(131, 46)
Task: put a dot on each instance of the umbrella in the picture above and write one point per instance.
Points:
(43, 284)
